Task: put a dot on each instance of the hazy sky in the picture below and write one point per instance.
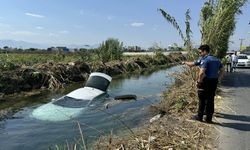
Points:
(135, 22)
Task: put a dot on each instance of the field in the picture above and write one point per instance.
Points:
(10, 60)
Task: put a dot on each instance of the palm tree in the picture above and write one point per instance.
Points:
(187, 38)
(188, 42)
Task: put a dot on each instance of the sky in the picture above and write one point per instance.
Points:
(134, 22)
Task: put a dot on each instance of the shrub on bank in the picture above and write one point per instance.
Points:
(111, 49)
(182, 95)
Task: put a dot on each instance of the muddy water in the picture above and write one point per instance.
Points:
(23, 132)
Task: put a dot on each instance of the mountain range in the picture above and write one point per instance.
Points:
(25, 45)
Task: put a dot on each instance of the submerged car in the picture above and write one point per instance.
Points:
(243, 61)
(72, 104)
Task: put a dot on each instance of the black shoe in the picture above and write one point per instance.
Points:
(196, 118)
(209, 121)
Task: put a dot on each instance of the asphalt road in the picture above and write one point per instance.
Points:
(235, 116)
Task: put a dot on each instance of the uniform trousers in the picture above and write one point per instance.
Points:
(206, 93)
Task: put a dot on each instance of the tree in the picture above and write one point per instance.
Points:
(217, 23)
(187, 37)
(32, 49)
(111, 49)
(6, 47)
(188, 42)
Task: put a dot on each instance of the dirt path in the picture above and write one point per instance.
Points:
(234, 119)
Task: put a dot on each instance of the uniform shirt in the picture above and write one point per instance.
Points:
(211, 64)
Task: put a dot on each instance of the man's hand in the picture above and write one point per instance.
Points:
(190, 64)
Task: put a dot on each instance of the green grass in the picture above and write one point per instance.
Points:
(34, 58)
(10, 61)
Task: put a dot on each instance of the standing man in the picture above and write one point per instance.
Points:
(210, 71)
(229, 62)
(235, 60)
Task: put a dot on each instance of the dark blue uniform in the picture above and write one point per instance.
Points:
(207, 88)
(211, 64)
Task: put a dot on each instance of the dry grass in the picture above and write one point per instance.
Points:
(182, 96)
(168, 132)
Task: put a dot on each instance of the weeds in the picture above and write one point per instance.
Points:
(181, 103)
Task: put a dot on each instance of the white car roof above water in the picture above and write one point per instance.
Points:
(93, 88)
(101, 75)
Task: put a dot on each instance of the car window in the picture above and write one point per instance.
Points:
(243, 57)
(71, 102)
(247, 52)
(98, 83)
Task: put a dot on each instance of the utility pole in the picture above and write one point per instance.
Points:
(241, 42)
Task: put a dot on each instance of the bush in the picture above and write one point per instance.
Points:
(86, 55)
(7, 65)
(109, 50)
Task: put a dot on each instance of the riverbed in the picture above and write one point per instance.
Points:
(22, 131)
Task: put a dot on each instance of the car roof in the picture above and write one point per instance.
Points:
(101, 75)
(242, 55)
(231, 52)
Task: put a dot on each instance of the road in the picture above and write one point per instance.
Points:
(235, 116)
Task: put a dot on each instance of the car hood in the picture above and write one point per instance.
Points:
(52, 112)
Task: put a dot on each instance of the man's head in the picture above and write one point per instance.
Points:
(204, 50)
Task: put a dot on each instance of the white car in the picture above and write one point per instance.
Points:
(243, 61)
(248, 56)
(72, 104)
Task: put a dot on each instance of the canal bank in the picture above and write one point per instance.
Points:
(56, 75)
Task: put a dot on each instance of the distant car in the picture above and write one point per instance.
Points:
(248, 56)
(72, 104)
(243, 61)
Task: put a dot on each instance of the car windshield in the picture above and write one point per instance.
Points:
(71, 102)
(98, 83)
(243, 57)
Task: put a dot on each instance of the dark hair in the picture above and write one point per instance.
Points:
(204, 47)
